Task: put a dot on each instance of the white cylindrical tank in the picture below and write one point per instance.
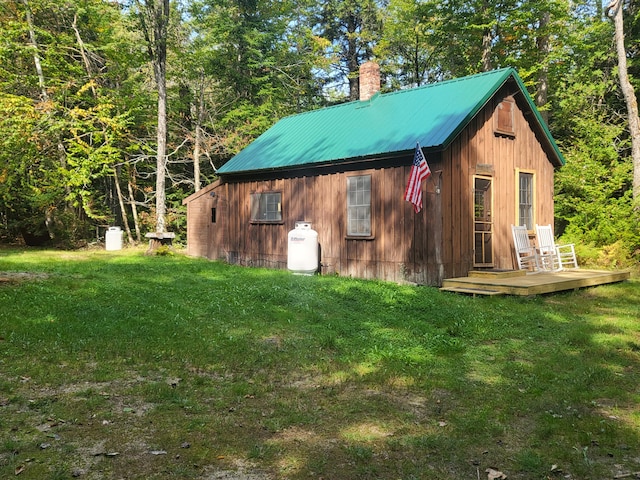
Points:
(113, 238)
(302, 255)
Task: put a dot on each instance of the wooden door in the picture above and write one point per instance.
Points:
(483, 222)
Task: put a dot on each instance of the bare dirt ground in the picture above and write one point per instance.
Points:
(8, 277)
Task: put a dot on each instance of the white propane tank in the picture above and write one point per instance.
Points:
(113, 238)
(302, 255)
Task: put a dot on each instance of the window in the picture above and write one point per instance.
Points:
(359, 206)
(266, 207)
(213, 215)
(503, 117)
(525, 199)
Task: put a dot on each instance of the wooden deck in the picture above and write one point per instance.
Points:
(518, 282)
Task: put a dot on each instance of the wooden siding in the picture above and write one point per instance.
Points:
(479, 145)
(199, 221)
(424, 248)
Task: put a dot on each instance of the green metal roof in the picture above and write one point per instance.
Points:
(432, 115)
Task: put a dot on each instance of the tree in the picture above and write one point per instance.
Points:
(473, 30)
(253, 60)
(40, 69)
(353, 28)
(85, 136)
(411, 46)
(593, 201)
(154, 19)
(25, 186)
(86, 105)
(614, 11)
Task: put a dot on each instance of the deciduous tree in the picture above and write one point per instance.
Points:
(154, 20)
(615, 12)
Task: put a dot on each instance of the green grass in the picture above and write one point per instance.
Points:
(121, 365)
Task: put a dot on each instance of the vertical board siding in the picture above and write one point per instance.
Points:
(422, 248)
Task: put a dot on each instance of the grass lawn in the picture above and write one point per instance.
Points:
(120, 365)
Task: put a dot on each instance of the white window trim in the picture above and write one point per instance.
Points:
(369, 234)
(533, 196)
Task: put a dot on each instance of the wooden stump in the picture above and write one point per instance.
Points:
(159, 239)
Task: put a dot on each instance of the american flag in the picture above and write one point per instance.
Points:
(419, 172)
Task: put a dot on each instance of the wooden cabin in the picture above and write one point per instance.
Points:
(344, 169)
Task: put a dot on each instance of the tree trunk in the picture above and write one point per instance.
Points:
(487, 38)
(353, 65)
(198, 108)
(155, 21)
(544, 48)
(83, 53)
(161, 164)
(614, 11)
(196, 158)
(125, 220)
(62, 154)
(134, 211)
(160, 69)
(36, 57)
(486, 50)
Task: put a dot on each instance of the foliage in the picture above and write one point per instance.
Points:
(76, 130)
(261, 65)
(18, 119)
(353, 29)
(125, 365)
(413, 47)
(593, 191)
(234, 67)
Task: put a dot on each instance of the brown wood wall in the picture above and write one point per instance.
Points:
(321, 200)
(424, 248)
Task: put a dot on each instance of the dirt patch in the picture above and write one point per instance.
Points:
(15, 277)
(243, 471)
(239, 475)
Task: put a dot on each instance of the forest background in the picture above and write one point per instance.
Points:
(85, 86)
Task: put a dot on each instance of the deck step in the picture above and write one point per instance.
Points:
(497, 273)
(471, 291)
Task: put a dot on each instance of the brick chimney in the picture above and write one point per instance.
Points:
(369, 80)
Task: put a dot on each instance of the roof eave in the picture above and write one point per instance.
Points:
(203, 191)
(351, 161)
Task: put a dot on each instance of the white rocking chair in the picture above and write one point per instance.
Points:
(526, 254)
(554, 257)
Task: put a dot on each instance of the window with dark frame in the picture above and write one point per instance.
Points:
(266, 207)
(359, 206)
